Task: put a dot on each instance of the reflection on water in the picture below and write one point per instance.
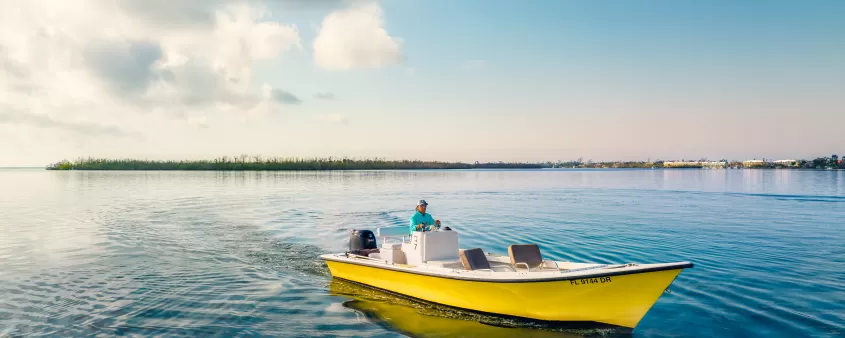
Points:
(423, 319)
(234, 254)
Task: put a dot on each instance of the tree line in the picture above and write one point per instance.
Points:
(244, 162)
(831, 162)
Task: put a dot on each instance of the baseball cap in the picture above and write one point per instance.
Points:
(422, 203)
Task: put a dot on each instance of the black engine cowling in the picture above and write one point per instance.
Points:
(362, 240)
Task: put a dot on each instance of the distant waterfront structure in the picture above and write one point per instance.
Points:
(695, 164)
(753, 163)
(788, 163)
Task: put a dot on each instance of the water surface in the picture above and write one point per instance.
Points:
(235, 253)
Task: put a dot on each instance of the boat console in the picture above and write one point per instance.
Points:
(431, 247)
(437, 248)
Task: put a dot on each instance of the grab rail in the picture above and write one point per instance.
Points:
(491, 269)
(365, 257)
(603, 266)
(542, 264)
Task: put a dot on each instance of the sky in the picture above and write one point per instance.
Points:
(469, 80)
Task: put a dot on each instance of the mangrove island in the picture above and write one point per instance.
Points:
(244, 162)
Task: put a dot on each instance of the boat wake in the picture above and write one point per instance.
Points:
(298, 257)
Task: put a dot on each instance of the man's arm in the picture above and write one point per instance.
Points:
(415, 224)
(412, 226)
(430, 221)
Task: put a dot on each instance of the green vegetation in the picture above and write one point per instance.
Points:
(616, 164)
(277, 163)
(832, 162)
(244, 162)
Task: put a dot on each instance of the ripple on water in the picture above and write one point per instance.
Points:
(236, 253)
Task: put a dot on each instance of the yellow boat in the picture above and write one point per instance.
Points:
(431, 267)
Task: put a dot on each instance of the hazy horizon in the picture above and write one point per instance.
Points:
(430, 80)
(584, 160)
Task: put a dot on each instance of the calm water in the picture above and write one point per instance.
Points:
(235, 254)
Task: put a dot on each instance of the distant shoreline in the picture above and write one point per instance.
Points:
(281, 164)
(245, 163)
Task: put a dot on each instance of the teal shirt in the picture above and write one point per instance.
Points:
(418, 218)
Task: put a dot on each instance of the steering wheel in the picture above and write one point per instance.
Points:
(434, 227)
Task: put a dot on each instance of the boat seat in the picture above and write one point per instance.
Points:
(474, 259)
(528, 255)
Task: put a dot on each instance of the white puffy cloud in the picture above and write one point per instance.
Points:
(101, 67)
(356, 38)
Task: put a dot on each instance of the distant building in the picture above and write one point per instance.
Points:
(753, 163)
(788, 163)
(694, 164)
(680, 164)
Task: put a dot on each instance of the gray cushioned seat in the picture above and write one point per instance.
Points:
(474, 259)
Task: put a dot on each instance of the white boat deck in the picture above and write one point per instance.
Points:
(437, 254)
(502, 270)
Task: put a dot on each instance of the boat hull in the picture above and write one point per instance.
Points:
(620, 300)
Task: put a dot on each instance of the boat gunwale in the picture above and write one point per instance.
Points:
(363, 262)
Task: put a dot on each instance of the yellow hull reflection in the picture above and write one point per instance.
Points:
(418, 319)
(620, 300)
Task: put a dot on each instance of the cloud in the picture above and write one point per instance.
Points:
(113, 61)
(10, 67)
(44, 121)
(202, 12)
(325, 96)
(173, 13)
(333, 119)
(284, 97)
(274, 96)
(356, 38)
(124, 65)
(295, 5)
(199, 121)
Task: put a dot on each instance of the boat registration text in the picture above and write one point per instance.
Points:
(599, 280)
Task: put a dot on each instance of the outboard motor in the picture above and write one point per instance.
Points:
(362, 242)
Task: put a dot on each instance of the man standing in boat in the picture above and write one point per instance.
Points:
(421, 221)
